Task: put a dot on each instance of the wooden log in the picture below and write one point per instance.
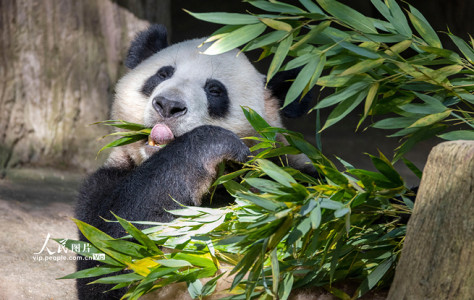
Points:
(59, 61)
(437, 260)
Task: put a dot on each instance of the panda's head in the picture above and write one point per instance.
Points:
(180, 88)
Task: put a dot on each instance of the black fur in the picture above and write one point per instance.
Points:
(143, 193)
(161, 75)
(217, 98)
(145, 44)
(280, 84)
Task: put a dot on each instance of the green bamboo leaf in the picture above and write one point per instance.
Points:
(285, 289)
(230, 176)
(302, 80)
(265, 40)
(195, 288)
(275, 270)
(276, 6)
(357, 50)
(260, 201)
(334, 175)
(424, 28)
(315, 31)
(315, 217)
(398, 19)
(463, 47)
(337, 81)
(122, 278)
(430, 119)
(386, 168)
(412, 167)
(458, 135)
(331, 204)
(344, 108)
(348, 15)
(174, 263)
(122, 124)
(277, 25)
(279, 57)
(221, 32)
(264, 185)
(369, 100)
(100, 240)
(342, 212)
(299, 231)
(431, 101)
(375, 276)
(418, 136)
(298, 61)
(138, 235)
(236, 38)
(451, 55)
(258, 123)
(395, 123)
(210, 286)
(92, 272)
(341, 95)
(225, 18)
(122, 141)
(363, 66)
(398, 48)
(275, 172)
(311, 6)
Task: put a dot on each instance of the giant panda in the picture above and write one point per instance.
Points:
(193, 103)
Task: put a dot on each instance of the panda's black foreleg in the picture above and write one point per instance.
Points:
(183, 171)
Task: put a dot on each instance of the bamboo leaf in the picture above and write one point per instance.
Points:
(348, 15)
(458, 135)
(122, 278)
(344, 108)
(424, 28)
(122, 141)
(398, 18)
(394, 123)
(235, 38)
(279, 57)
(92, 272)
(277, 25)
(265, 40)
(302, 80)
(375, 276)
(363, 66)
(341, 95)
(174, 263)
(463, 47)
(430, 119)
(412, 167)
(276, 6)
(225, 18)
(275, 172)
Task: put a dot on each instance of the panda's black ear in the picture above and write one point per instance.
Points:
(145, 44)
(280, 84)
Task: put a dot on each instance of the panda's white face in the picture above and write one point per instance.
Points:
(182, 88)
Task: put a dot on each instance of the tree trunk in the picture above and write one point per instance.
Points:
(59, 62)
(437, 260)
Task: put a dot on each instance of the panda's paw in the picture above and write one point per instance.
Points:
(217, 144)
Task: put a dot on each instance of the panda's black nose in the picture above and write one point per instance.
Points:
(169, 108)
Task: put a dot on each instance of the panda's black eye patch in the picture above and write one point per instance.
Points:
(217, 98)
(161, 75)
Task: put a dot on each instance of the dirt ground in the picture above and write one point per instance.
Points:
(35, 204)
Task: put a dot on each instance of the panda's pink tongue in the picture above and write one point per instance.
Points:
(161, 134)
